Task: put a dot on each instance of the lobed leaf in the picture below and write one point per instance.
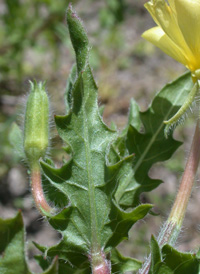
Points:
(91, 219)
(150, 145)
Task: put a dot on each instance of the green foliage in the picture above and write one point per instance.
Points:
(12, 253)
(105, 171)
(91, 220)
(97, 191)
(170, 261)
(121, 264)
(151, 146)
(155, 255)
(12, 246)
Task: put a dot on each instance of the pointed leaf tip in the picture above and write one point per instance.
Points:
(78, 37)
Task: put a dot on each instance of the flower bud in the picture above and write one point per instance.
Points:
(36, 131)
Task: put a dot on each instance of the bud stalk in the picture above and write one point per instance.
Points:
(36, 137)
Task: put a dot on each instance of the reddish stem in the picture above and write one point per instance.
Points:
(37, 191)
(178, 210)
(99, 263)
(172, 226)
(101, 269)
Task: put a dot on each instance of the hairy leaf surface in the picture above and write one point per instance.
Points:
(91, 221)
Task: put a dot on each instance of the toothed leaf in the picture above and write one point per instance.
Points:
(149, 146)
(91, 219)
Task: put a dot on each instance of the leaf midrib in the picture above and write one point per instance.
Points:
(95, 244)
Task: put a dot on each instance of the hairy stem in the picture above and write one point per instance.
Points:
(171, 228)
(99, 264)
(37, 191)
(178, 210)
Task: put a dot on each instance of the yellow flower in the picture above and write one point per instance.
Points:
(178, 31)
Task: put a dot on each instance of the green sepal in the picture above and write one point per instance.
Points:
(187, 104)
(36, 124)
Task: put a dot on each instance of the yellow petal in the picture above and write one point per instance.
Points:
(188, 17)
(172, 5)
(150, 7)
(168, 22)
(158, 37)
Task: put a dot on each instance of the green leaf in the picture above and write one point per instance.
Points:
(155, 255)
(149, 146)
(68, 92)
(53, 268)
(170, 261)
(91, 221)
(12, 250)
(12, 259)
(64, 266)
(78, 264)
(88, 220)
(180, 263)
(134, 115)
(161, 268)
(121, 264)
(79, 39)
(122, 221)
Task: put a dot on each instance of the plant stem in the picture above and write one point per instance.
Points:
(178, 210)
(99, 263)
(171, 228)
(37, 191)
